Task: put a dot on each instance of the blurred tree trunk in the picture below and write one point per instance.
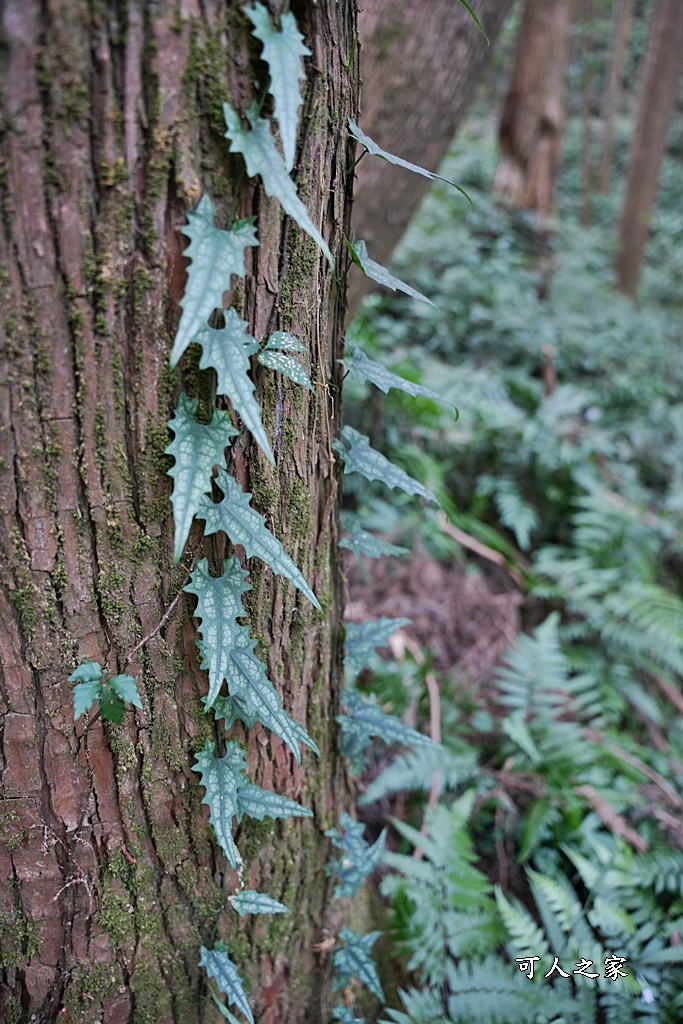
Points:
(533, 113)
(110, 879)
(622, 20)
(656, 99)
(420, 69)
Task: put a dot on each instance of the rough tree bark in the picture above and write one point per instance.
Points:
(622, 20)
(533, 113)
(656, 100)
(420, 69)
(111, 127)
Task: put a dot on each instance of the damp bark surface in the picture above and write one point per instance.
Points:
(110, 880)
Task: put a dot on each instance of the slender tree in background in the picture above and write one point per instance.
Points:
(533, 112)
(656, 99)
(622, 20)
(420, 71)
(112, 129)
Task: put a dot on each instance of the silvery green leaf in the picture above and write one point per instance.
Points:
(363, 637)
(218, 966)
(361, 457)
(85, 694)
(219, 605)
(216, 255)
(286, 365)
(263, 803)
(221, 778)
(223, 1010)
(285, 341)
(374, 150)
(228, 350)
(196, 448)
(248, 901)
(244, 525)
(362, 368)
(366, 720)
(358, 859)
(361, 542)
(87, 672)
(378, 273)
(282, 51)
(354, 961)
(262, 156)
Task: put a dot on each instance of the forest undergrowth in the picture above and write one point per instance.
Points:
(537, 871)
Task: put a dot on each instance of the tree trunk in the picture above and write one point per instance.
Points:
(111, 129)
(656, 99)
(622, 20)
(420, 71)
(533, 113)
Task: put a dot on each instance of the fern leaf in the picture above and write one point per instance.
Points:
(262, 157)
(353, 961)
(244, 525)
(220, 967)
(282, 51)
(414, 770)
(363, 637)
(227, 350)
(216, 255)
(376, 272)
(288, 366)
(526, 936)
(361, 457)
(248, 901)
(196, 448)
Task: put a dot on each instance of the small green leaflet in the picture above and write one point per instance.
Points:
(353, 961)
(365, 721)
(228, 350)
(363, 637)
(282, 51)
(362, 458)
(218, 966)
(262, 156)
(219, 605)
(244, 525)
(111, 693)
(285, 341)
(216, 255)
(359, 859)
(248, 901)
(378, 273)
(196, 448)
(221, 778)
(362, 368)
(374, 150)
(286, 365)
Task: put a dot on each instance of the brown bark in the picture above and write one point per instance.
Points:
(532, 121)
(111, 128)
(622, 20)
(656, 100)
(420, 70)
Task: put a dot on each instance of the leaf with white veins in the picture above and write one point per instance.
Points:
(221, 777)
(216, 255)
(262, 156)
(362, 368)
(244, 525)
(362, 458)
(248, 901)
(196, 448)
(220, 967)
(282, 51)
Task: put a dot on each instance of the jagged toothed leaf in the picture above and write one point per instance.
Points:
(221, 778)
(216, 255)
(248, 901)
(220, 967)
(126, 688)
(363, 637)
(362, 368)
(361, 458)
(361, 542)
(282, 51)
(359, 859)
(376, 272)
(262, 156)
(219, 605)
(288, 366)
(285, 341)
(263, 803)
(374, 150)
(244, 525)
(196, 448)
(227, 350)
(353, 960)
(234, 708)
(364, 721)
